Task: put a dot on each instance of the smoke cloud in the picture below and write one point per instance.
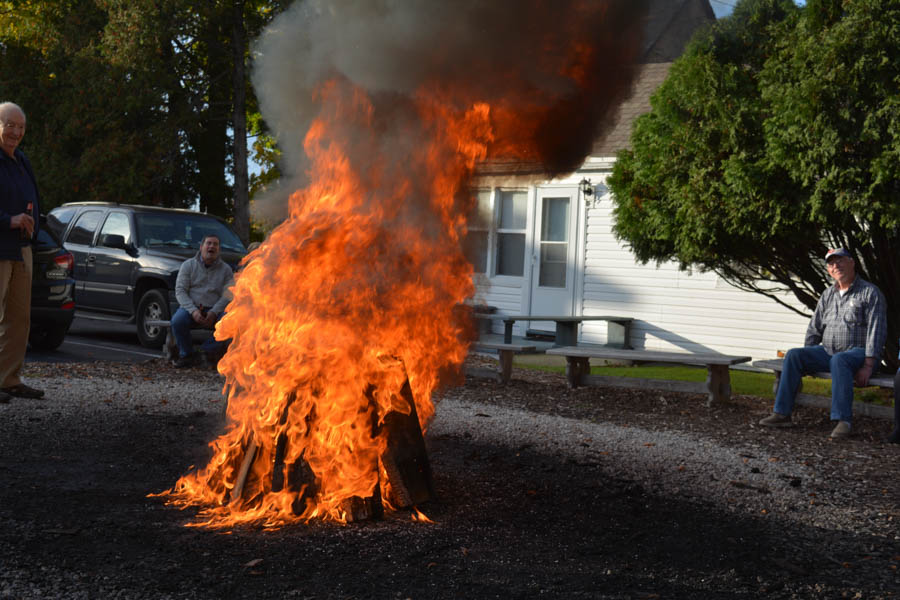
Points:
(551, 72)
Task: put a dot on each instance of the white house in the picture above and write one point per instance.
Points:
(549, 248)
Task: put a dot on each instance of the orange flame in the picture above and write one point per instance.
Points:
(356, 293)
(419, 516)
(349, 312)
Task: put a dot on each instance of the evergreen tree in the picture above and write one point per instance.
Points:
(774, 137)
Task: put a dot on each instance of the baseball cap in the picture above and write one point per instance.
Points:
(837, 252)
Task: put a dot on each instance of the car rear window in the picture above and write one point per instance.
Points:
(45, 239)
(177, 230)
(59, 218)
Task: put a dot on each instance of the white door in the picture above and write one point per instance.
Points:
(553, 276)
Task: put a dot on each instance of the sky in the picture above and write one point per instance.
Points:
(723, 8)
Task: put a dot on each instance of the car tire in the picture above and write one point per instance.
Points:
(44, 338)
(154, 306)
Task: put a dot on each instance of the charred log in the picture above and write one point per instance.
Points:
(405, 459)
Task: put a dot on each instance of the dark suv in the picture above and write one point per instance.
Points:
(127, 258)
(52, 289)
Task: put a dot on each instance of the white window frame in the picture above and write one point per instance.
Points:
(524, 231)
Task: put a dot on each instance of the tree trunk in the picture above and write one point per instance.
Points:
(241, 181)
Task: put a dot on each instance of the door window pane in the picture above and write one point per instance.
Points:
(554, 242)
(83, 230)
(511, 254)
(555, 220)
(553, 265)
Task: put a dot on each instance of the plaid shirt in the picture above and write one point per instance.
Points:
(855, 320)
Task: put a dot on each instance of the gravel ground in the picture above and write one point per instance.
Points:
(542, 492)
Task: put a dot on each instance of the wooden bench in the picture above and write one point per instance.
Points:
(717, 385)
(170, 348)
(505, 353)
(883, 381)
(618, 328)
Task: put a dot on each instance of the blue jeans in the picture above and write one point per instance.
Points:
(811, 359)
(182, 323)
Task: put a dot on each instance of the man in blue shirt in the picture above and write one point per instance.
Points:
(845, 337)
(19, 212)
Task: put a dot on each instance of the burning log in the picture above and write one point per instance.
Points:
(405, 477)
(406, 460)
(360, 509)
(249, 456)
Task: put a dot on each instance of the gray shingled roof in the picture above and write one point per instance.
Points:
(618, 135)
(670, 25)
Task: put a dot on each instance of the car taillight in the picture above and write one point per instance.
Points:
(66, 261)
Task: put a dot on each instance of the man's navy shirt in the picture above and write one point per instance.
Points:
(17, 189)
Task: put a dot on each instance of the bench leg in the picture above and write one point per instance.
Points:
(576, 368)
(170, 348)
(718, 383)
(778, 382)
(506, 360)
(507, 331)
(566, 333)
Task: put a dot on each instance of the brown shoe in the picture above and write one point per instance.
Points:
(776, 420)
(23, 391)
(841, 430)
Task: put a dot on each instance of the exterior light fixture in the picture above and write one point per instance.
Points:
(586, 187)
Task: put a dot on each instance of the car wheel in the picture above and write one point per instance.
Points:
(154, 306)
(46, 337)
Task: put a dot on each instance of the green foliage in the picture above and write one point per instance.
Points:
(127, 100)
(836, 131)
(265, 153)
(774, 137)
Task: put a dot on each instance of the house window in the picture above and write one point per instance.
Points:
(511, 221)
(479, 222)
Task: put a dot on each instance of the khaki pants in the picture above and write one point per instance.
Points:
(15, 316)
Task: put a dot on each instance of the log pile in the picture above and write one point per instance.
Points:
(404, 463)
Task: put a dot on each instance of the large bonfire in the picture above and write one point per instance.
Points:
(350, 310)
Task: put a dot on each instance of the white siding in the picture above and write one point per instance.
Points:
(506, 294)
(672, 309)
(677, 310)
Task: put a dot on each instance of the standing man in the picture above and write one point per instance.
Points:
(203, 291)
(19, 210)
(845, 337)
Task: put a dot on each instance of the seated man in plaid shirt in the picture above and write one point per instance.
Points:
(845, 337)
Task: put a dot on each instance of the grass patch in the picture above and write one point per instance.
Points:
(742, 382)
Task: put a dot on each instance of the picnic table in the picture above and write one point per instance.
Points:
(717, 385)
(566, 326)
